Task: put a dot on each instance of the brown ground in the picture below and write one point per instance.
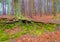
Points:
(6, 17)
(46, 18)
(37, 18)
(13, 31)
(47, 37)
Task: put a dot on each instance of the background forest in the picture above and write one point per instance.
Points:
(28, 6)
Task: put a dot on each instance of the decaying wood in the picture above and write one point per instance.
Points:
(44, 19)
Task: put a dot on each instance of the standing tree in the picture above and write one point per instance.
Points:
(58, 6)
(30, 7)
(25, 4)
(49, 6)
(52, 6)
(16, 8)
(57, 2)
(55, 7)
(33, 7)
(12, 7)
(9, 7)
(23, 8)
(4, 5)
(0, 7)
(19, 15)
(40, 7)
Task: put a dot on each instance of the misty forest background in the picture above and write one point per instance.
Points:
(29, 6)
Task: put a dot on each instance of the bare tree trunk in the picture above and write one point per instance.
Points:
(14, 6)
(27, 8)
(1, 7)
(25, 4)
(4, 10)
(54, 7)
(30, 8)
(12, 10)
(33, 7)
(46, 7)
(40, 7)
(49, 7)
(23, 8)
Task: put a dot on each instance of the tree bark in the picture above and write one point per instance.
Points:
(40, 7)
(30, 8)
(54, 7)
(4, 10)
(23, 8)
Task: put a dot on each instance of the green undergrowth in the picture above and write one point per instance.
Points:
(31, 27)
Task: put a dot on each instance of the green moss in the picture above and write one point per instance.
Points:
(50, 27)
(32, 28)
(55, 18)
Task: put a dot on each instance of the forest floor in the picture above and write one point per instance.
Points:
(45, 37)
(12, 33)
(38, 18)
(46, 18)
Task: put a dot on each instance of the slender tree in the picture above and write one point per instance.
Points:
(9, 7)
(46, 7)
(30, 8)
(12, 7)
(49, 7)
(58, 6)
(15, 7)
(52, 6)
(27, 8)
(33, 7)
(40, 7)
(23, 8)
(19, 15)
(1, 5)
(4, 10)
(25, 4)
(57, 2)
(55, 7)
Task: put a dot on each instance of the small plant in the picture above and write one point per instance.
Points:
(55, 18)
